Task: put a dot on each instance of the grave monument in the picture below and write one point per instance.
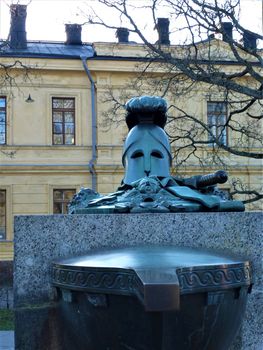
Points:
(160, 264)
(152, 297)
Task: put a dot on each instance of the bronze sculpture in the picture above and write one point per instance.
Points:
(147, 185)
(153, 297)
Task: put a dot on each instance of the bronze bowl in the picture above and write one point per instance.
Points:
(151, 298)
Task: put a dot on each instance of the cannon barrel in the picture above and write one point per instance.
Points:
(219, 177)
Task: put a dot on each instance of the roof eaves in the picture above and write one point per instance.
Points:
(39, 55)
(147, 59)
(49, 50)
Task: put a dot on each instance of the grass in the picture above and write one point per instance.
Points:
(6, 320)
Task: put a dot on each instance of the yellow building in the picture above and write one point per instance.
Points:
(54, 136)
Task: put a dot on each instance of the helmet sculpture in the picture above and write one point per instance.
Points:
(147, 149)
(147, 185)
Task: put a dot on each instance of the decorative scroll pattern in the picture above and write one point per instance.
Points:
(217, 277)
(117, 282)
(126, 282)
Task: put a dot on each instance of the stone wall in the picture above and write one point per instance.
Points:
(39, 240)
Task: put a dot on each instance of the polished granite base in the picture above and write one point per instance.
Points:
(39, 240)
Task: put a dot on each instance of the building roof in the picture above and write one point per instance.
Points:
(98, 51)
(42, 49)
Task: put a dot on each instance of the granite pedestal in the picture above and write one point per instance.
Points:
(39, 240)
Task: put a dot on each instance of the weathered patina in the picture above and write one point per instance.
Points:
(147, 185)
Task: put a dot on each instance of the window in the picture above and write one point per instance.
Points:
(2, 120)
(63, 120)
(61, 199)
(2, 214)
(216, 118)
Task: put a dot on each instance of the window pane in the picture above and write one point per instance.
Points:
(69, 117)
(2, 102)
(57, 103)
(61, 199)
(2, 117)
(57, 128)
(2, 196)
(69, 194)
(65, 208)
(217, 107)
(58, 195)
(57, 208)
(63, 121)
(2, 120)
(221, 119)
(221, 134)
(69, 128)
(223, 107)
(210, 107)
(69, 139)
(223, 138)
(58, 139)
(2, 138)
(68, 103)
(2, 233)
(57, 117)
(216, 119)
(211, 120)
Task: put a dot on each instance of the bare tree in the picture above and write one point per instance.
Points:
(228, 70)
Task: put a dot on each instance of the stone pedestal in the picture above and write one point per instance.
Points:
(39, 240)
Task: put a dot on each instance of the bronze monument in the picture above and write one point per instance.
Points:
(147, 185)
(151, 297)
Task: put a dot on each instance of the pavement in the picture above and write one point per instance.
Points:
(7, 341)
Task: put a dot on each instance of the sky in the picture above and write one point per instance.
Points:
(46, 19)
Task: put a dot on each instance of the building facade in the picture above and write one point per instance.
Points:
(56, 134)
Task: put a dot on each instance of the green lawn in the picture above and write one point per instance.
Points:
(6, 320)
